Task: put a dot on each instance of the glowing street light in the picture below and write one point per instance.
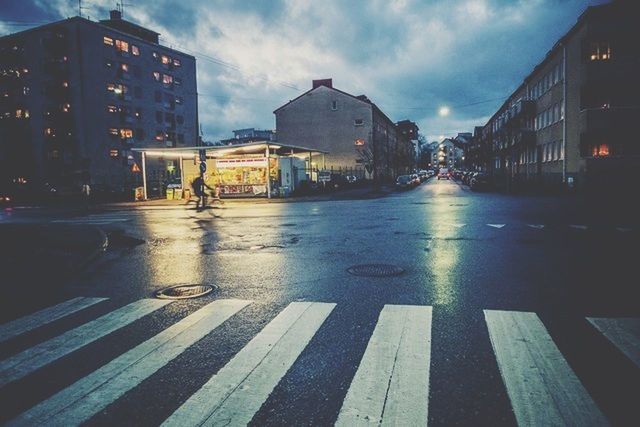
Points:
(443, 111)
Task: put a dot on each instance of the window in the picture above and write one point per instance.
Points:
(124, 67)
(177, 81)
(601, 150)
(122, 46)
(165, 60)
(599, 51)
(155, 55)
(560, 154)
(135, 50)
(561, 110)
(159, 116)
(156, 76)
(176, 62)
(107, 40)
(108, 63)
(126, 133)
(159, 135)
(179, 100)
(113, 132)
(334, 105)
(65, 107)
(358, 122)
(114, 153)
(167, 79)
(26, 90)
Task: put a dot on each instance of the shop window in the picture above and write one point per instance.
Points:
(176, 62)
(107, 41)
(135, 50)
(122, 46)
(599, 51)
(114, 153)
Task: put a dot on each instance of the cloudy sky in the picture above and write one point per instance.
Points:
(408, 56)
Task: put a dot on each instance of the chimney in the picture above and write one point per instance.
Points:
(322, 82)
(115, 15)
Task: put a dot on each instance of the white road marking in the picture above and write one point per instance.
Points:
(623, 229)
(536, 226)
(456, 225)
(391, 386)
(89, 220)
(578, 227)
(496, 225)
(88, 396)
(624, 333)
(44, 316)
(236, 392)
(541, 385)
(22, 364)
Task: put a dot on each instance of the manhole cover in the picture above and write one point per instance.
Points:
(375, 270)
(184, 291)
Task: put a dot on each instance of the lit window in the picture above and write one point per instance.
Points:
(113, 131)
(26, 114)
(122, 46)
(66, 107)
(18, 114)
(112, 109)
(113, 153)
(177, 81)
(108, 63)
(156, 76)
(159, 136)
(126, 133)
(138, 113)
(48, 131)
(176, 62)
(26, 90)
(124, 67)
(601, 150)
(108, 41)
(179, 100)
(111, 87)
(167, 79)
(600, 51)
(135, 50)
(155, 55)
(65, 84)
(165, 60)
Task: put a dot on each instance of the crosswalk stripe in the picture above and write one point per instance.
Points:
(578, 227)
(89, 220)
(44, 316)
(236, 392)
(91, 394)
(496, 225)
(33, 358)
(540, 383)
(391, 386)
(624, 333)
(536, 226)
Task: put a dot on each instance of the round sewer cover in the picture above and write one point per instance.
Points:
(184, 291)
(375, 270)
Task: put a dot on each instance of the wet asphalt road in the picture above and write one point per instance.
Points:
(462, 252)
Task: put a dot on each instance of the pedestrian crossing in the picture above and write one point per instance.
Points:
(390, 385)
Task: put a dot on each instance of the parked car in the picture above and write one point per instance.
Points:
(404, 182)
(351, 179)
(423, 175)
(415, 179)
(466, 177)
(443, 174)
(480, 181)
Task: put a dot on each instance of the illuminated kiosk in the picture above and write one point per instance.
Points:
(242, 170)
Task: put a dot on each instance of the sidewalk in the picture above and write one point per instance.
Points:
(360, 193)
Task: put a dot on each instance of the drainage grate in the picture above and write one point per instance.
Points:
(184, 291)
(375, 270)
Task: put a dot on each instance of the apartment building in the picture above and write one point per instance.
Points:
(572, 121)
(76, 96)
(360, 139)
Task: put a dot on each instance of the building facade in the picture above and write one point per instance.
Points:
(360, 139)
(408, 148)
(76, 96)
(245, 136)
(571, 122)
(450, 152)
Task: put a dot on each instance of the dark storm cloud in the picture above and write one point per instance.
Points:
(408, 56)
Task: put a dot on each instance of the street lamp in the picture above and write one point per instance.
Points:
(443, 111)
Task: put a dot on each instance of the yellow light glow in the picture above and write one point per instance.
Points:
(443, 111)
